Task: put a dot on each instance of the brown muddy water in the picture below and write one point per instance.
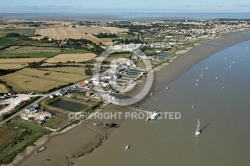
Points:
(220, 101)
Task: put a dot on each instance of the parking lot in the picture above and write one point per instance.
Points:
(14, 101)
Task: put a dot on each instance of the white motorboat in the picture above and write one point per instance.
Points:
(127, 147)
(198, 130)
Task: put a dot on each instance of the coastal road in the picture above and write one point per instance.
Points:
(39, 100)
(54, 92)
(22, 110)
(33, 103)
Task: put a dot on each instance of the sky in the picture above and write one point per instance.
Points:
(95, 6)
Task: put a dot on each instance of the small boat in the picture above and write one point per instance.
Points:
(151, 94)
(41, 149)
(198, 130)
(153, 116)
(127, 147)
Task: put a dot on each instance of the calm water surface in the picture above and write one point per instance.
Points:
(119, 15)
(68, 105)
(224, 114)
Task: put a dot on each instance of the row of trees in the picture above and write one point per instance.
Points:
(126, 41)
(80, 44)
(106, 35)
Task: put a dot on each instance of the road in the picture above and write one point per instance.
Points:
(33, 103)
(42, 98)
(103, 94)
(140, 37)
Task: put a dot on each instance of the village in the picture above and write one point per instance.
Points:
(87, 67)
(122, 61)
(121, 64)
(116, 78)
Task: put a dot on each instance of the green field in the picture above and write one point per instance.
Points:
(7, 41)
(29, 134)
(108, 39)
(55, 122)
(72, 70)
(38, 43)
(21, 31)
(128, 37)
(118, 55)
(28, 80)
(29, 52)
(75, 51)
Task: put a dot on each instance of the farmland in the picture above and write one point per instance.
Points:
(27, 80)
(29, 51)
(7, 41)
(107, 41)
(17, 63)
(39, 43)
(71, 57)
(75, 51)
(73, 70)
(21, 31)
(77, 33)
(12, 66)
(61, 33)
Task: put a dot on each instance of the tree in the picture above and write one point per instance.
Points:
(88, 71)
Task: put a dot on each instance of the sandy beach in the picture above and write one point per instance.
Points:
(75, 146)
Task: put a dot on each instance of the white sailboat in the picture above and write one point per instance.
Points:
(127, 147)
(198, 130)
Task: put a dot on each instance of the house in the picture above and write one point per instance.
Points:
(30, 110)
(82, 84)
(87, 93)
(96, 83)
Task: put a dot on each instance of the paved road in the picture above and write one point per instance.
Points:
(47, 95)
(40, 99)
(140, 37)
(33, 103)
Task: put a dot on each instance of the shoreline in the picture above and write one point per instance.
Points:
(184, 60)
(177, 66)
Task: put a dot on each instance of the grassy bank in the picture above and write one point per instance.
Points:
(28, 134)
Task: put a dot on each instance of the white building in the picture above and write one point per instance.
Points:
(31, 110)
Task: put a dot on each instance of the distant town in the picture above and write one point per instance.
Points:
(47, 68)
